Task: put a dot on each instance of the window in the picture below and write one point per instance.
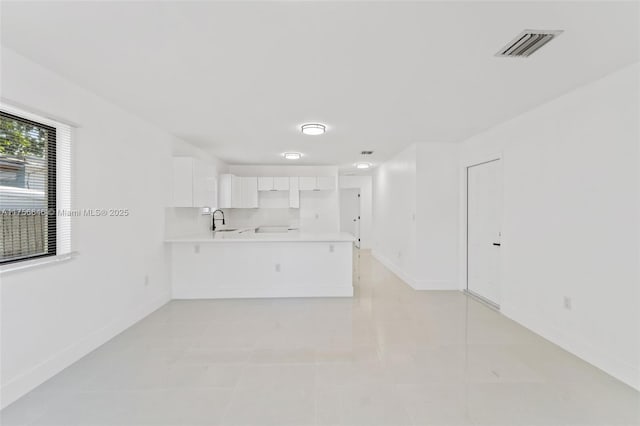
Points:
(30, 226)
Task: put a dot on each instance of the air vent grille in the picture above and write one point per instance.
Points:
(527, 42)
(366, 152)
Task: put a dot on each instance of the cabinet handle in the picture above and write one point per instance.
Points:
(496, 244)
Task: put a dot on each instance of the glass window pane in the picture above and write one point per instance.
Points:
(27, 189)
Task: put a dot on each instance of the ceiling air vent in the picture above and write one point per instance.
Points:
(527, 42)
(366, 153)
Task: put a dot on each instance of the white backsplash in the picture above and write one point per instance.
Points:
(189, 221)
(241, 218)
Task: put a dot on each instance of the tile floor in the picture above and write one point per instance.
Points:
(389, 356)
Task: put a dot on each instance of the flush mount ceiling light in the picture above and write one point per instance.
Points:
(363, 165)
(313, 129)
(292, 155)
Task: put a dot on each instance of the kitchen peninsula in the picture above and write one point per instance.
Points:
(260, 263)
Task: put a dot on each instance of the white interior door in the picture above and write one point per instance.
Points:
(484, 223)
(350, 213)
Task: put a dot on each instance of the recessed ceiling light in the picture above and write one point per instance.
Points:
(313, 129)
(363, 165)
(292, 155)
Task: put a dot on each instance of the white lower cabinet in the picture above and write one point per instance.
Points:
(211, 270)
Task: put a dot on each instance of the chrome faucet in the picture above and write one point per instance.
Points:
(213, 219)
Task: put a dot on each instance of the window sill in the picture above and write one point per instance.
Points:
(37, 263)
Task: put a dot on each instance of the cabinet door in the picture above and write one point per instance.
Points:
(182, 184)
(281, 183)
(308, 183)
(265, 183)
(237, 192)
(204, 184)
(225, 191)
(326, 183)
(250, 192)
(294, 193)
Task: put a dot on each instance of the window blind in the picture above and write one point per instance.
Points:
(35, 186)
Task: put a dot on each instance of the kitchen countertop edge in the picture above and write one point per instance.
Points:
(298, 237)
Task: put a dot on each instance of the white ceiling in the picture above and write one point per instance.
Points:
(238, 78)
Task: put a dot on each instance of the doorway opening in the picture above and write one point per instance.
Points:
(350, 213)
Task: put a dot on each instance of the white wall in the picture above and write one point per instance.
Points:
(572, 220)
(394, 214)
(319, 210)
(437, 216)
(52, 315)
(416, 215)
(365, 185)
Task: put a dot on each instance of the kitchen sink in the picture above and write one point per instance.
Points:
(272, 229)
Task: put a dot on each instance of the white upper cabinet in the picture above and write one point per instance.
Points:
(238, 192)
(249, 192)
(308, 183)
(242, 192)
(265, 183)
(268, 183)
(194, 183)
(281, 183)
(317, 183)
(326, 183)
(205, 185)
(225, 191)
(294, 193)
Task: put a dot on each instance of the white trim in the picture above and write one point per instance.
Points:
(434, 285)
(260, 291)
(412, 282)
(404, 276)
(24, 383)
(35, 263)
(41, 116)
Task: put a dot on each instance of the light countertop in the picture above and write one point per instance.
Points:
(248, 235)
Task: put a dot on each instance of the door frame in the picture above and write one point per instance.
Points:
(465, 164)
(357, 190)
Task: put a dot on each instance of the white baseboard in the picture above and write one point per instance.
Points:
(404, 276)
(263, 291)
(42, 372)
(619, 369)
(410, 280)
(435, 285)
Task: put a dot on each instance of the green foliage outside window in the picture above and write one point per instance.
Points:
(20, 140)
